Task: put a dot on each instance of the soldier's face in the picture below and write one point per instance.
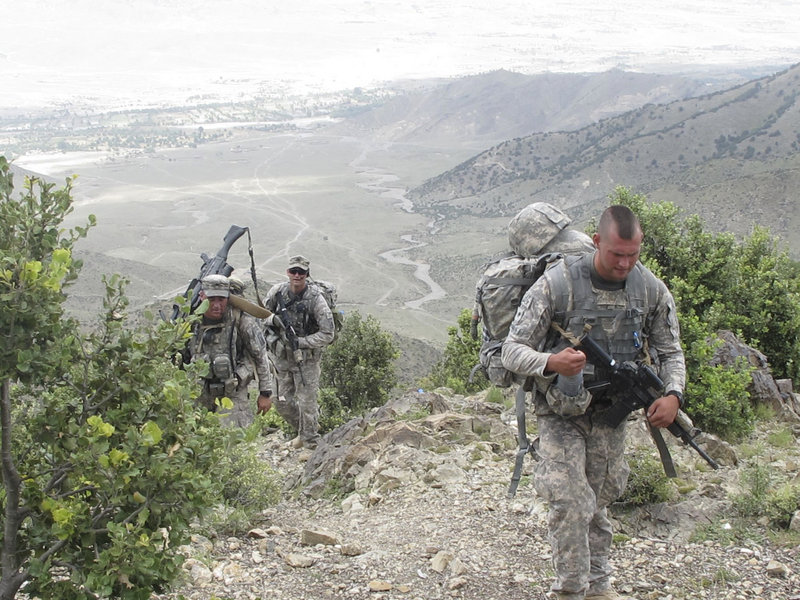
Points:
(616, 257)
(216, 308)
(297, 278)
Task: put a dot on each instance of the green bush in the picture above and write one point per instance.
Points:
(750, 287)
(247, 485)
(782, 503)
(106, 459)
(357, 370)
(756, 482)
(459, 357)
(647, 483)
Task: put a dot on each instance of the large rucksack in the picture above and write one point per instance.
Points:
(329, 292)
(538, 236)
(498, 294)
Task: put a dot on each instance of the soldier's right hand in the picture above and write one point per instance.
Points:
(568, 362)
(298, 356)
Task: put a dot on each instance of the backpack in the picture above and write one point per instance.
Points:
(498, 294)
(330, 294)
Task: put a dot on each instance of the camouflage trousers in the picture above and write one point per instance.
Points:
(296, 399)
(241, 415)
(581, 471)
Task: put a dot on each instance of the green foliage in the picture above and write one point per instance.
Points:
(246, 484)
(460, 356)
(756, 481)
(764, 494)
(106, 459)
(647, 483)
(357, 370)
(750, 287)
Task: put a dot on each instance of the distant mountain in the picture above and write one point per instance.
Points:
(732, 156)
(487, 108)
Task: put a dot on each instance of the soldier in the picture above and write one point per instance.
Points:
(582, 468)
(309, 328)
(232, 343)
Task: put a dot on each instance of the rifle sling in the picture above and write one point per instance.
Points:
(663, 451)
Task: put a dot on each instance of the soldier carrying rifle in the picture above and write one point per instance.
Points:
(582, 469)
(309, 327)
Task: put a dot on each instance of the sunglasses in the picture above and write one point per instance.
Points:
(296, 271)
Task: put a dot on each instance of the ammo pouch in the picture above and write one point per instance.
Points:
(490, 360)
(222, 381)
(567, 406)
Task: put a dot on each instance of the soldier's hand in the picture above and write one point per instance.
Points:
(263, 404)
(663, 411)
(298, 356)
(568, 362)
(277, 324)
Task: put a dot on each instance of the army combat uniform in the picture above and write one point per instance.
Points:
(236, 351)
(298, 380)
(582, 468)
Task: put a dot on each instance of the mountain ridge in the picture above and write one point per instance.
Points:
(730, 156)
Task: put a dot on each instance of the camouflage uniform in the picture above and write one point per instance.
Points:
(235, 350)
(582, 468)
(298, 384)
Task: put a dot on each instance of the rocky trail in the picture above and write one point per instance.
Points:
(411, 503)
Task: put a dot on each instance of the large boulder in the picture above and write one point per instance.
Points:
(763, 389)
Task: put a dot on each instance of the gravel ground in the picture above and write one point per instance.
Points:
(462, 540)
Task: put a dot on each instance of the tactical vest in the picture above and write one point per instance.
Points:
(216, 343)
(299, 311)
(618, 327)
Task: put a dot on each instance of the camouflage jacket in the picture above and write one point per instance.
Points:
(309, 315)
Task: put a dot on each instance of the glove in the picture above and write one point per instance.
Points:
(473, 329)
(298, 356)
(276, 323)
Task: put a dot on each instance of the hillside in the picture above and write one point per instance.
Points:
(411, 502)
(480, 110)
(732, 156)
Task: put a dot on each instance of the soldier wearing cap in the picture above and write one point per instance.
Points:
(309, 325)
(232, 343)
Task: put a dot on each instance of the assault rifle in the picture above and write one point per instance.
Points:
(637, 386)
(291, 335)
(218, 265)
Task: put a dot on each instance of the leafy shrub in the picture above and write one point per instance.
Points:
(752, 500)
(459, 357)
(106, 458)
(647, 483)
(750, 287)
(782, 503)
(357, 370)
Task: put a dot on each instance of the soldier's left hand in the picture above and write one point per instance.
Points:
(663, 411)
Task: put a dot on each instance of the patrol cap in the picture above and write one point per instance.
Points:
(216, 285)
(299, 262)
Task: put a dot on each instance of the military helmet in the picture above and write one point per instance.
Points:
(534, 226)
(569, 241)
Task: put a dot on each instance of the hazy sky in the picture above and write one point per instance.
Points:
(143, 51)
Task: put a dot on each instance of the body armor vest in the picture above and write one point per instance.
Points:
(298, 310)
(617, 318)
(216, 343)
